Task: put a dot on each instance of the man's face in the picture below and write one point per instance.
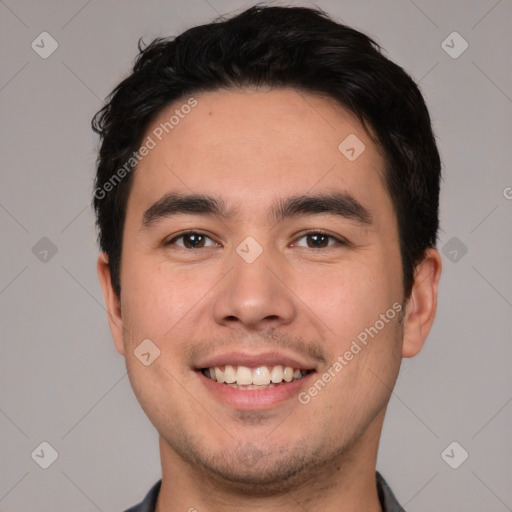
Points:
(254, 289)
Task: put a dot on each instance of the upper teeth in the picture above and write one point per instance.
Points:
(260, 376)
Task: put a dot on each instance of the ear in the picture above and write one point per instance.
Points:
(421, 306)
(112, 303)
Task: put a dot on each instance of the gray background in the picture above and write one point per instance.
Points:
(62, 381)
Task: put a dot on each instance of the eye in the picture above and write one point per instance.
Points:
(313, 240)
(192, 240)
(319, 240)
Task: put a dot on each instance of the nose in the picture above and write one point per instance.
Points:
(253, 296)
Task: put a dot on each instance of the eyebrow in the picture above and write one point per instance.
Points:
(340, 204)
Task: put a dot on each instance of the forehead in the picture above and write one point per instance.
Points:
(257, 145)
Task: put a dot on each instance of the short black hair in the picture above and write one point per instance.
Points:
(276, 47)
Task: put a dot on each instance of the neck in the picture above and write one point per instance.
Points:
(346, 482)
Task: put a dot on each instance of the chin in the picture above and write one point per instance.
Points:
(261, 478)
(255, 471)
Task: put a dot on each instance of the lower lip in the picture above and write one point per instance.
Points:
(254, 399)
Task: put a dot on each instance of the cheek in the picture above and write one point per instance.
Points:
(160, 298)
(147, 298)
(348, 298)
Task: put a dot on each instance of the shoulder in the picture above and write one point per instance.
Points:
(387, 499)
(149, 502)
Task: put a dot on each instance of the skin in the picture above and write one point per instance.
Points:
(251, 148)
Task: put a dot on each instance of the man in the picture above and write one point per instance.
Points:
(267, 203)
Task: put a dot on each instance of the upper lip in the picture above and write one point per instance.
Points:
(255, 360)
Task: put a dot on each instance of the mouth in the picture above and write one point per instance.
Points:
(254, 378)
(254, 382)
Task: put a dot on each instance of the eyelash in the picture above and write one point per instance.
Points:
(340, 241)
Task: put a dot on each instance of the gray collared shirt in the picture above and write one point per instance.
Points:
(387, 499)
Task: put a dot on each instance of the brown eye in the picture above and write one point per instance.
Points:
(318, 240)
(191, 240)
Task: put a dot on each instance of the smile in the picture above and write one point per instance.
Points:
(260, 377)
